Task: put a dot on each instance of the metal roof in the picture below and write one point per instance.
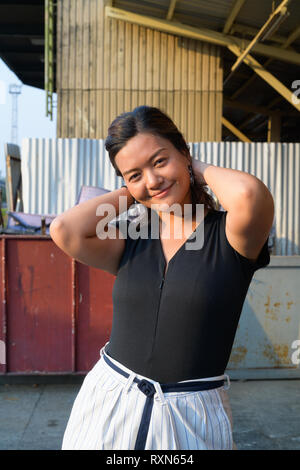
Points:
(22, 39)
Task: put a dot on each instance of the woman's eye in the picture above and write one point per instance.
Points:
(135, 174)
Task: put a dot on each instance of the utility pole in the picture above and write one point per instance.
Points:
(14, 90)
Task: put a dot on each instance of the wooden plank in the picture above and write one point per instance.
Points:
(100, 64)
(212, 95)
(191, 116)
(163, 100)
(58, 65)
(204, 97)
(135, 58)
(163, 62)
(93, 70)
(85, 128)
(177, 108)
(219, 108)
(114, 56)
(198, 65)
(142, 61)
(149, 61)
(79, 68)
(177, 64)
(106, 118)
(107, 54)
(155, 97)
(134, 99)
(71, 112)
(149, 98)
(184, 64)
(198, 122)
(156, 60)
(128, 61)
(183, 112)
(121, 56)
(170, 62)
(72, 70)
(100, 133)
(127, 100)
(191, 65)
(120, 101)
(65, 74)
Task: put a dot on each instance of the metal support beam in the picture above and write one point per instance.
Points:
(267, 76)
(232, 15)
(201, 34)
(246, 30)
(235, 130)
(264, 110)
(171, 9)
(273, 21)
(292, 37)
(274, 128)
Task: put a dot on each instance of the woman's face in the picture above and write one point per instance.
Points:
(149, 164)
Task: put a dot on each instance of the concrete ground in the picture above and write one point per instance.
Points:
(266, 414)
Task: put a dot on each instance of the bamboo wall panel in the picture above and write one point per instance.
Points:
(107, 66)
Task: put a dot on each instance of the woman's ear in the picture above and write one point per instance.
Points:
(187, 155)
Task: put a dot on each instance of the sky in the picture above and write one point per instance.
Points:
(32, 120)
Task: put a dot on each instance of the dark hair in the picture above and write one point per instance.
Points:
(152, 120)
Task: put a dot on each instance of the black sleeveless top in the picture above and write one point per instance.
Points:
(180, 326)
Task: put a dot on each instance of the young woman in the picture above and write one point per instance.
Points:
(159, 383)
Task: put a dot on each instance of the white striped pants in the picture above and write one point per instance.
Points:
(113, 412)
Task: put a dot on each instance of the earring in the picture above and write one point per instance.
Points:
(192, 179)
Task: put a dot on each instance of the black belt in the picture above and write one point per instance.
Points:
(149, 390)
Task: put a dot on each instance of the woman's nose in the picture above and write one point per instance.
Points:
(153, 180)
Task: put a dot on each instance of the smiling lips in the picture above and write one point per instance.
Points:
(164, 192)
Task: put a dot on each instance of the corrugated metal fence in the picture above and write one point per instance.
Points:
(53, 171)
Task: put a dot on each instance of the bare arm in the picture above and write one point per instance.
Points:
(75, 230)
(249, 204)
(227, 184)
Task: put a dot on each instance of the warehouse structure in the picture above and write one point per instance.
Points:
(223, 69)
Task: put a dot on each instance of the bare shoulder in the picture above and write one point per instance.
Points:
(249, 223)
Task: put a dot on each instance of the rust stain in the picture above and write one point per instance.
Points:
(268, 303)
(288, 319)
(238, 354)
(277, 304)
(289, 305)
(277, 353)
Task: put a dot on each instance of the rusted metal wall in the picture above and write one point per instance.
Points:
(55, 313)
(269, 326)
